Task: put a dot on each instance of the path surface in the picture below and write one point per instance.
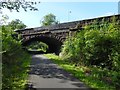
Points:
(45, 74)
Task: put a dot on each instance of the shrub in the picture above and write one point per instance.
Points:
(98, 44)
(14, 61)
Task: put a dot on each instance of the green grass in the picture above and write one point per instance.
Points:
(92, 78)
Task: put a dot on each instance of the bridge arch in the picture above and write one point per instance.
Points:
(55, 35)
(54, 44)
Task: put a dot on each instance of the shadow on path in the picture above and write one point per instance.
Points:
(44, 74)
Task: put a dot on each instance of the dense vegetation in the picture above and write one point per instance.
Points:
(37, 46)
(97, 45)
(15, 61)
(96, 48)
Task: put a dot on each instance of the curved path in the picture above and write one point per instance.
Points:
(45, 74)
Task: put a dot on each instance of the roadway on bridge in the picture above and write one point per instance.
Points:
(45, 74)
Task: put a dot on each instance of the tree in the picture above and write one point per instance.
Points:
(17, 4)
(3, 20)
(14, 59)
(49, 19)
(17, 24)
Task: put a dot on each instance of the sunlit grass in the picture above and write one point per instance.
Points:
(91, 78)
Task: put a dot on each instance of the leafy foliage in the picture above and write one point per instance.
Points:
(38, 46)
(98, 44)
(17, 4)
(95, 45)
(14, 61)
(16, 24)
(49, 19)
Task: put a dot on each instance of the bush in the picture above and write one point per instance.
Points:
(14, 61)
(98, 44)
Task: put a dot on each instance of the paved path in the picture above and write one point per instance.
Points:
(45, 74)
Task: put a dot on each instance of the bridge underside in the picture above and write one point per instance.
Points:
(53, 44)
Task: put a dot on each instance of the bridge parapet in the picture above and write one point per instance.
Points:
(62, 29)
(65, 26)
(55, 35)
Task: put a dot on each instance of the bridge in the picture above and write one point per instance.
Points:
(55, 35)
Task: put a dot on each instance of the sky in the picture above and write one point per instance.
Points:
(64, 12)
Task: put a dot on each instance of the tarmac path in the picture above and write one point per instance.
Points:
(44, 74)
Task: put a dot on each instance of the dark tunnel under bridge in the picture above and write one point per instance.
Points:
(54, 45)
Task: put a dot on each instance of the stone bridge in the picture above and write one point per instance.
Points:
(55, 35)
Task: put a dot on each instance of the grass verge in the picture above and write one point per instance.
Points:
(91, 76)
